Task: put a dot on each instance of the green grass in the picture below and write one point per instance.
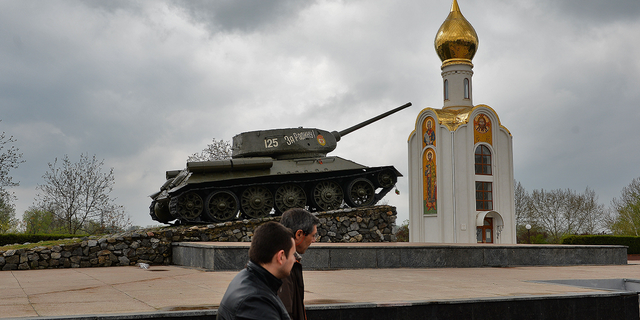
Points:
(49, 243)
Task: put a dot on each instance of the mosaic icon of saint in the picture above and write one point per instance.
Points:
(481, 125)
(429, 184)
(429, 134)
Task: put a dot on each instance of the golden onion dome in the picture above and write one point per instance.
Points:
(456, 38)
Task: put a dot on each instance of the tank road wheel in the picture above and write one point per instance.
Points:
(187, 207)
(221, 206)
(360, 193)
(256, 202)
(160, 211)
(152, 212)
(290, 196)
(387, 178)
(327, 195)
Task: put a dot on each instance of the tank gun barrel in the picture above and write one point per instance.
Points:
(344, 132)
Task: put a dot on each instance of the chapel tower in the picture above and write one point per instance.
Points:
(456, 43)
(460, 156)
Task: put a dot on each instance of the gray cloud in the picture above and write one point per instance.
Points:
(595, 11)
(143, 85)
(241, 15)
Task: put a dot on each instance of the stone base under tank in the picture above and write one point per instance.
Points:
(364, 224)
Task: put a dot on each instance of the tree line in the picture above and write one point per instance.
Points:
(74, 198)
(553, 214)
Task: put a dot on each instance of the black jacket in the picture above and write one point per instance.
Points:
(292, 292)
(252, 295)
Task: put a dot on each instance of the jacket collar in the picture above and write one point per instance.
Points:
(265, 276)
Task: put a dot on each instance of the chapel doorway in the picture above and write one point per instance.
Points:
(485, 232)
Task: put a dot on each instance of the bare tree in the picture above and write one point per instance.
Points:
(114, 220)
(522, 205)
(626, 220)
(547, 208)
(217, 150)
(10, 159)
(78, 193)
(8, 220)
(563, 212)
(594, 214)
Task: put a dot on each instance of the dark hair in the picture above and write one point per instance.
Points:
(299, 219)
(268, 239)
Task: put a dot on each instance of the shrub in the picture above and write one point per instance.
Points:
(630, 241)
(403, 232)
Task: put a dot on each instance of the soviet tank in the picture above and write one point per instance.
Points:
(269, 172)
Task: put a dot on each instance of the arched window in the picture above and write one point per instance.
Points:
(466, 88)
(446, 89)
(484, 196)
(483, 160)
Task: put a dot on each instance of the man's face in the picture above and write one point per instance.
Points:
(304, 241)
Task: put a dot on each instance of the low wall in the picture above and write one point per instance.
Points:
(123, 250)
(220, 256)
(153, 246)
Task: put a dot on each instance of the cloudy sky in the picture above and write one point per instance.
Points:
(144, 84)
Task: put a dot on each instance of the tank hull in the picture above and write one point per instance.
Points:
(216, 191)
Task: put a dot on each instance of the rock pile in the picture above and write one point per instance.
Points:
(123, 250)
(369, 224)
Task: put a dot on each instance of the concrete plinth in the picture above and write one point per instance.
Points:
(218, 256)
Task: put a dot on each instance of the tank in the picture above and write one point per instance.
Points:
(271, 171)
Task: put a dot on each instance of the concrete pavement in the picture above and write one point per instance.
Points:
(121, 290)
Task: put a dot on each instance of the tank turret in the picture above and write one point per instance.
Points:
(271, 171)
(295, 142)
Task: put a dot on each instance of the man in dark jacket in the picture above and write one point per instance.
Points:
(304, 226)
(252, 294)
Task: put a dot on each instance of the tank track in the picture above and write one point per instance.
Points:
(259, 198)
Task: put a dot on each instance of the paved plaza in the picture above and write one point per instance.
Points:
(114, 290)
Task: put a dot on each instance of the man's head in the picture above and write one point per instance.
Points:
(272, 247)
(304, 226)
